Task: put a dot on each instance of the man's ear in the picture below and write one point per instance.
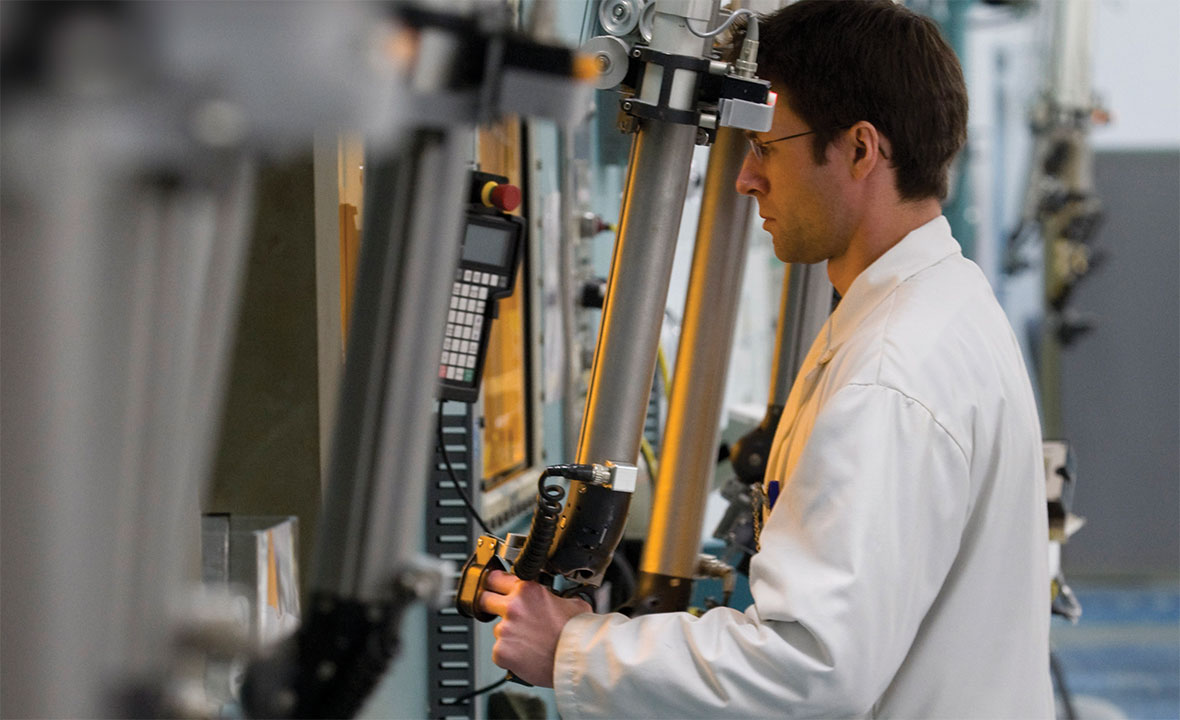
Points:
(865, 149)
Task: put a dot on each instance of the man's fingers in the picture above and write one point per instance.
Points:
(493, 603)
(501, 582)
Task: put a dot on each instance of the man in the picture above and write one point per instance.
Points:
(902, 569)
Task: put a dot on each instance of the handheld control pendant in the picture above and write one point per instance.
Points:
(528, 556)
(486, 273)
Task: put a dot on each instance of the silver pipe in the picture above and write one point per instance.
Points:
(804, 306)
(641, 269)
(633, 311)
(372, 519)
(567, 249)
(689, 449)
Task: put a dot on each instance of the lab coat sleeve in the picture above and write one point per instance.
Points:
(852, 556)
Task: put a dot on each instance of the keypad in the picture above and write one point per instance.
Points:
(469, 302)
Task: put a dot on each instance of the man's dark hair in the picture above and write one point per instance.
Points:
(843, 61)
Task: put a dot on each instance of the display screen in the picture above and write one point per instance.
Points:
(488, 245)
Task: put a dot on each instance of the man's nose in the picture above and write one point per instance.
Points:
(751, 181)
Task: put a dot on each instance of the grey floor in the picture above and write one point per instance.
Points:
(1122, 659)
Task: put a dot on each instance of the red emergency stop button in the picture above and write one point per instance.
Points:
(502, 196)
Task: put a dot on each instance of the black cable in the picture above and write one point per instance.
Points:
(544, 526)
(482, 690)
(442, 448)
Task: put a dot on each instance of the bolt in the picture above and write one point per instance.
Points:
(619, 11)
(603, 63)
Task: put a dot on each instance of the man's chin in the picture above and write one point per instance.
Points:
(789, 254)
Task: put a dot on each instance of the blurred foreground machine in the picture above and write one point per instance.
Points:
(128, 136)
(367, 571)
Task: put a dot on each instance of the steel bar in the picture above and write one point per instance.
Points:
(689, 453)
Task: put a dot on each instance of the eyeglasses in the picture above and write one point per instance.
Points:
(758, 147)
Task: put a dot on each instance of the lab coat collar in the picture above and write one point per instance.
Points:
(917, 251)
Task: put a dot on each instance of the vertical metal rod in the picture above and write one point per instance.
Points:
(637, 292)
(625, 358)
(641, 268)
(373, 502)
(567, 249)
(804, 306)
(698, 389)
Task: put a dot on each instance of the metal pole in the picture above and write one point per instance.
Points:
(372, 519)
(804, 306)
(637, 291)
(698, 389)
(625, 358)
(367, 567)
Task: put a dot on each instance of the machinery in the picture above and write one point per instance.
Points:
(167, 288)
(129, 136)
(677, 96)
(469, 68)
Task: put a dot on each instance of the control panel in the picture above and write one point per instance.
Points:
(490, 254)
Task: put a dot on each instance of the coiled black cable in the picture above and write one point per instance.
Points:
(536, 548)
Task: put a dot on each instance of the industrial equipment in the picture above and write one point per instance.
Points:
(468, 69)
(130, 134)
(677, 95)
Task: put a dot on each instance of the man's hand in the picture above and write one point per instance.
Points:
(526, 637)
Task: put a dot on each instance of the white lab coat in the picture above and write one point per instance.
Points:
(903, 570)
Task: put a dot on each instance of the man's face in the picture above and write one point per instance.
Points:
(803, 204)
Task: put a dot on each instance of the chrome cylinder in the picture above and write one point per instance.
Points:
(804, 306)
(625, 358)
(689, 450)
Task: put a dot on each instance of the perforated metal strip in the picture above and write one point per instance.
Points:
(450, 536)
